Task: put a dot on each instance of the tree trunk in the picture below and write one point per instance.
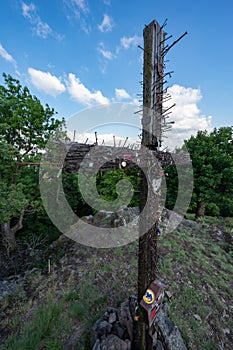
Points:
(200, 211)
(9, 232)
(8, 236)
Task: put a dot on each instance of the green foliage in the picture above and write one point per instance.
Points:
(24, 122)
(42, 327)
(12, 201)
(107, 185)
(73, 195)
(107, 190)
(172, 186)
(25, 127)
(226, 206)
(212, 209)
(196, 269)
(53, 321)
(199, 284)
(212, 159)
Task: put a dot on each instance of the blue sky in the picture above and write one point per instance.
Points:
(74, 54)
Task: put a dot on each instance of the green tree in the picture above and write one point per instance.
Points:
(106, 185)
(25, 127)
(172, 186)
(212, 159)
(222, 162)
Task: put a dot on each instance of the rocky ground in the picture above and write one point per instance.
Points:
(51, 298)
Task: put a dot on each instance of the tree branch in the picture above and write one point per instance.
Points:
(19, 224)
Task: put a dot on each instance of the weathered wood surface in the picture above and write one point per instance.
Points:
(94, 157)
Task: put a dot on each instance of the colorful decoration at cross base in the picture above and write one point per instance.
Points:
(152, 301)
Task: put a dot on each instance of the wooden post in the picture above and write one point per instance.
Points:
(151, 138)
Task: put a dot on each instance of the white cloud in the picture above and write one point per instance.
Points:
(107, 2)
(82, 5)
(42, 29)
(27, 9)
(103, 138)
(121, 94)
(46, 82)
(132, 41)
(106, 25)
(76, 6)
(106, 54)
(78, 10)
(6, 55)
(81, 94)
(186, 114)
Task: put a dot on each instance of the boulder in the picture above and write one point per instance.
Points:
(168, 332)
(112, 342)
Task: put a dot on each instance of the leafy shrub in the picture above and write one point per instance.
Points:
(226, 207)
(212, 209)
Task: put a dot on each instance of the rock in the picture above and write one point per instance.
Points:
(101, 328)
(155, 337)
(111, 309)
(130, 328)
(128, 213)
(164, 324)
(112, 317)
(118, 330)
(197, 317)
(125, 318)
(104, 218)
(70, 343)
(106, 316)
(89, 219)
(170, 219)
(170, 334)
(158, 346)
(132, 305)
(112, 342)
(224, 314)
(226, 331)
(168, 294)
(8, 288)
(128, 342)
(104, 328)
(118, 218)
(119, 222)
(189, 223)
(96, 345)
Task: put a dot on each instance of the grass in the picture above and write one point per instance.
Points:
(52, 321)
(45, 323)
(199, 275)
(71, 296)
(196, 269)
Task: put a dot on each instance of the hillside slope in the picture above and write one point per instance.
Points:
(55, 309)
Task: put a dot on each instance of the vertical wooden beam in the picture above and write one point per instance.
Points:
(153, 73)
(151, 138)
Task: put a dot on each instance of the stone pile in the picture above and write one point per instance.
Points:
(121, 217)
(115, 330)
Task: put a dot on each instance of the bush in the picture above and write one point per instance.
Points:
(212, 209)
(226, 208)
